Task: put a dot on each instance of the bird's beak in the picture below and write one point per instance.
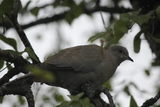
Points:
(129, 58)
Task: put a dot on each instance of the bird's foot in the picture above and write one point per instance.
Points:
(89, 89)
(107, 93)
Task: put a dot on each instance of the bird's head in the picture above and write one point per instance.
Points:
(120, 53)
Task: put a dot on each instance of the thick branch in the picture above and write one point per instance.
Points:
(16, 87)
(107, 93)
(14, 58)
(30, 99)
(54, 18)
(11, 73)
(19, 62)
(61, 16)
(8, 76)
(22, 35)
(94, 94)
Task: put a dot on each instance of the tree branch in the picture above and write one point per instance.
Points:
(30, 99)
(19, 62)
(151, 101)
(8, 76)
(22, 35)
(54, 18)
(13, 57)
(107, 93)
(94, 94)
(61, 16)
(18, 86)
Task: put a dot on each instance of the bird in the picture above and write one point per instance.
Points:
(73, 67)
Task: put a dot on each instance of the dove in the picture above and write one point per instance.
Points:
(75, 66)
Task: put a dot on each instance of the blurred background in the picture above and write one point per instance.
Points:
(52, 25)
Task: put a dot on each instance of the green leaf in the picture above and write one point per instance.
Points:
(6, 7)
(64, 104)
(35, 11)
(108, 85)
(31, 53)
(56, 4)
(26, 6)
(141, 19)
(76, 97)
(125, 17)
(1, 99)
(15, 52)
(9, 41)
(133, 102)
(21, 100)
(74, 12)
(97, 36)
(46, 98)
(158, 11)
(58, 97)
(76, 101)
(147, 72)
(68, 3)
(122, 26)
(157, 40)
(126, 90)
(107, 36)
(137, 42)
(86, 103)
(1, 63)
(44, 75)
(9, 67)
(75, 104)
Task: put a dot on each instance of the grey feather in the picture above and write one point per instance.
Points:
(89, 64)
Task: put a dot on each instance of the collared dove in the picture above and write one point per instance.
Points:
(75, 66)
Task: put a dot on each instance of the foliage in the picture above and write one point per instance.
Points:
(70, 10)
(9, 41)
(133, 102)
(121, 27)
(76, 101)
(42, 74)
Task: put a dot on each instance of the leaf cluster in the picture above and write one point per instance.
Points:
(124, 24)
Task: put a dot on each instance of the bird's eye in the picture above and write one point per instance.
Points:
(120, 51)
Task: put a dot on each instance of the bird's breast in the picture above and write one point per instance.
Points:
(104, 72)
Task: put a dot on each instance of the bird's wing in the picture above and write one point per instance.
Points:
(81, 58)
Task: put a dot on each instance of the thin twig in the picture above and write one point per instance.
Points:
(22, 35)
(103, 20)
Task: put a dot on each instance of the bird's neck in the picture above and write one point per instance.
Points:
(114, 60)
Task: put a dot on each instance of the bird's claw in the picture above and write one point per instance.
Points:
(89, 89)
